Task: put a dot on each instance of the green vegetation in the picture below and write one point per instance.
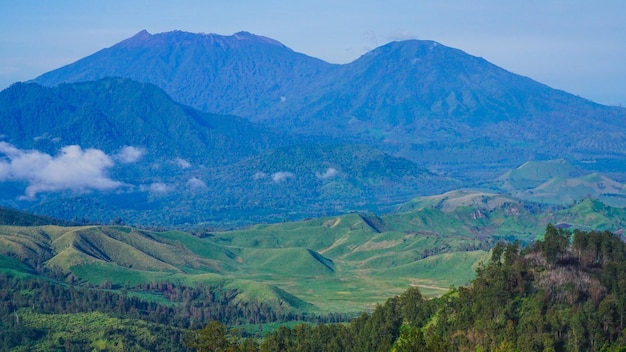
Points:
(90, 332)
(42, 314)
(550, 296)
(15, 217)
(335, 143)
(340, 263)
(323, 270)
(559, 182)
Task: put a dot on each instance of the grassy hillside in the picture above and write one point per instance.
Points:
(565, 293)
(559, 182)
(339, 263)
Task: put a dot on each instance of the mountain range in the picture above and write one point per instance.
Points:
(193, 128)
(414, 98)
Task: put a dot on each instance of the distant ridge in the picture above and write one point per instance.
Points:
(224, 41)
(14, 217)
(186, 166)
(220, 74)
(415, 98)
(559, 182)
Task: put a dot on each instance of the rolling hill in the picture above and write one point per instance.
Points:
(337, 264)
(559, 182)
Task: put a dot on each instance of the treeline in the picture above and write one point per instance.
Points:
(185, 308)
(564, 293)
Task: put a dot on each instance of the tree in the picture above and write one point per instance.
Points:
(555, 243)
(212, 338)
(411, 339)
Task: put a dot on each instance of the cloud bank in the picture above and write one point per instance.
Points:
(72, 169)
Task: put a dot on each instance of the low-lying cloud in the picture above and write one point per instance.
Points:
(129, 155)
(281, 176)
(196, 183)
(276, 177)
(182, 163)
(259, 176)
(329, 173)
(71, 169)
(155, 188)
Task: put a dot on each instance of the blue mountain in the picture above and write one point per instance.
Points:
(417, 99)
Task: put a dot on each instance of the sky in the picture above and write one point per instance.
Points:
(574, 45)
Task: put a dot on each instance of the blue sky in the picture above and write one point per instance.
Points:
(575, 45)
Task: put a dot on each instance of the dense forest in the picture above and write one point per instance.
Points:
(145, 324)
(566, 292)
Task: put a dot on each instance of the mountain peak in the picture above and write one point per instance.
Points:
(141, 36)
(243, 38)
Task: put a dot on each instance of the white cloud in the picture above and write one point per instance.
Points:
(184, 164)
(283, 99)
(46, 135)
(281, 176)
(329, 173)
(259, 176)
(195, 183)
(156, 187)
(129, 155)
(72, 169)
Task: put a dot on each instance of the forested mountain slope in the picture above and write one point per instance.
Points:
(118, 149)
(233, 75)
(416, 98)
(112, 113)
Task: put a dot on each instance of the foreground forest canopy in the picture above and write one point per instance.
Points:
(566, 292)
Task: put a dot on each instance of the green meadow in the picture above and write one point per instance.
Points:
(345, 263)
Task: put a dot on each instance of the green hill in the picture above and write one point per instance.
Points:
(267, 273)
(559, 182)
(533, 173)
(357, 259)
(564, 293)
